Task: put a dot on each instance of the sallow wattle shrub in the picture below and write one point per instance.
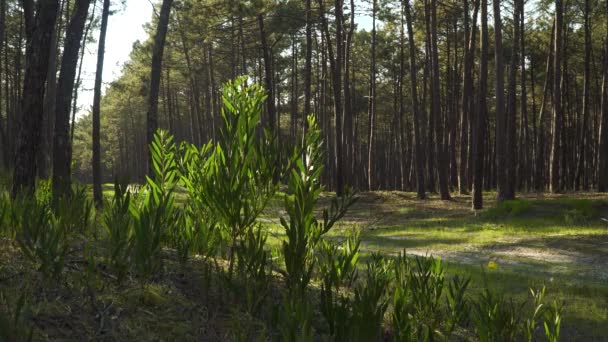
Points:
(229, 183)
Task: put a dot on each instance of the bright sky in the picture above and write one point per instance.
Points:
(125, 27)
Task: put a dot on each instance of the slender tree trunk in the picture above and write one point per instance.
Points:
(430, 127)
(526, 152)
(65, 90)
(271, 110)
(37, 54)
(192, 78)
(469, 102)
(308, 65)
(480, 112)
(243, 52)
(402, 149)
(294, 89)
(501, 122)
(335, 61)
(554, 174)
(418, 141)
(3, 128)
(603, 139)
(371, 109)
(511, 114)
(452, 107)
(347, 140)
(78, 77)
(50, 96)
(442, 157)
(581, 178)
(97, 194)
(212, 103)
(540, 158)
(155, 74)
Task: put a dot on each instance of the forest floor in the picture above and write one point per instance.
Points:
(560, 241)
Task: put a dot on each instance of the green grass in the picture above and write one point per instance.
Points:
(559, 241)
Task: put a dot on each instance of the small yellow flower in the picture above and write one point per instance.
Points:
(492, 265)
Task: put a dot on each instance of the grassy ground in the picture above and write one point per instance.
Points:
(557, 241)
(560, 241)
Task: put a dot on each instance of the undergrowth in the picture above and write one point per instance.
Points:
(145, 249)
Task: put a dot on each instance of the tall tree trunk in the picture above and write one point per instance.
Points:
(501, 122)
(581, 178)
(480, 112)
(3, 128)
(554, 174)
(192, 78)
(335, 62)
(527, 147)
(155, 74)
(78, 77)
(442, 156)
(37, 54)
(43, 158)
(418, 140)
(65, 90)
(467, 102)
(511, 159)
(243, 52)
(348, 140)
(101, 50)
(371, 109)
(212, 105)
(540, 157)
(271, 110)
(453, 86)
(294, 89)
(603, 139)
(429, 128)
(308, 65)
(401, 147)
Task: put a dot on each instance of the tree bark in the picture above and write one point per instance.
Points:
(442, 157)
(37, 56)
(270, 104)
(511, 159)
(192, 78)
(371, 109)
(526, 152)
(78, 77)
(480, 117)
(418, 141)
(501, 122)
(50, 99)
(97, 194)
(581, 178)
(335, 61)
(308, 64)
(429, 126)
(603, 139)
(554, 174)
(348, 140)
(155, 74)
(3, 128)
(467, 103)
(65, 90)
(540, 158)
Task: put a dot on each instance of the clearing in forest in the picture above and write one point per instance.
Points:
(560, 241)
